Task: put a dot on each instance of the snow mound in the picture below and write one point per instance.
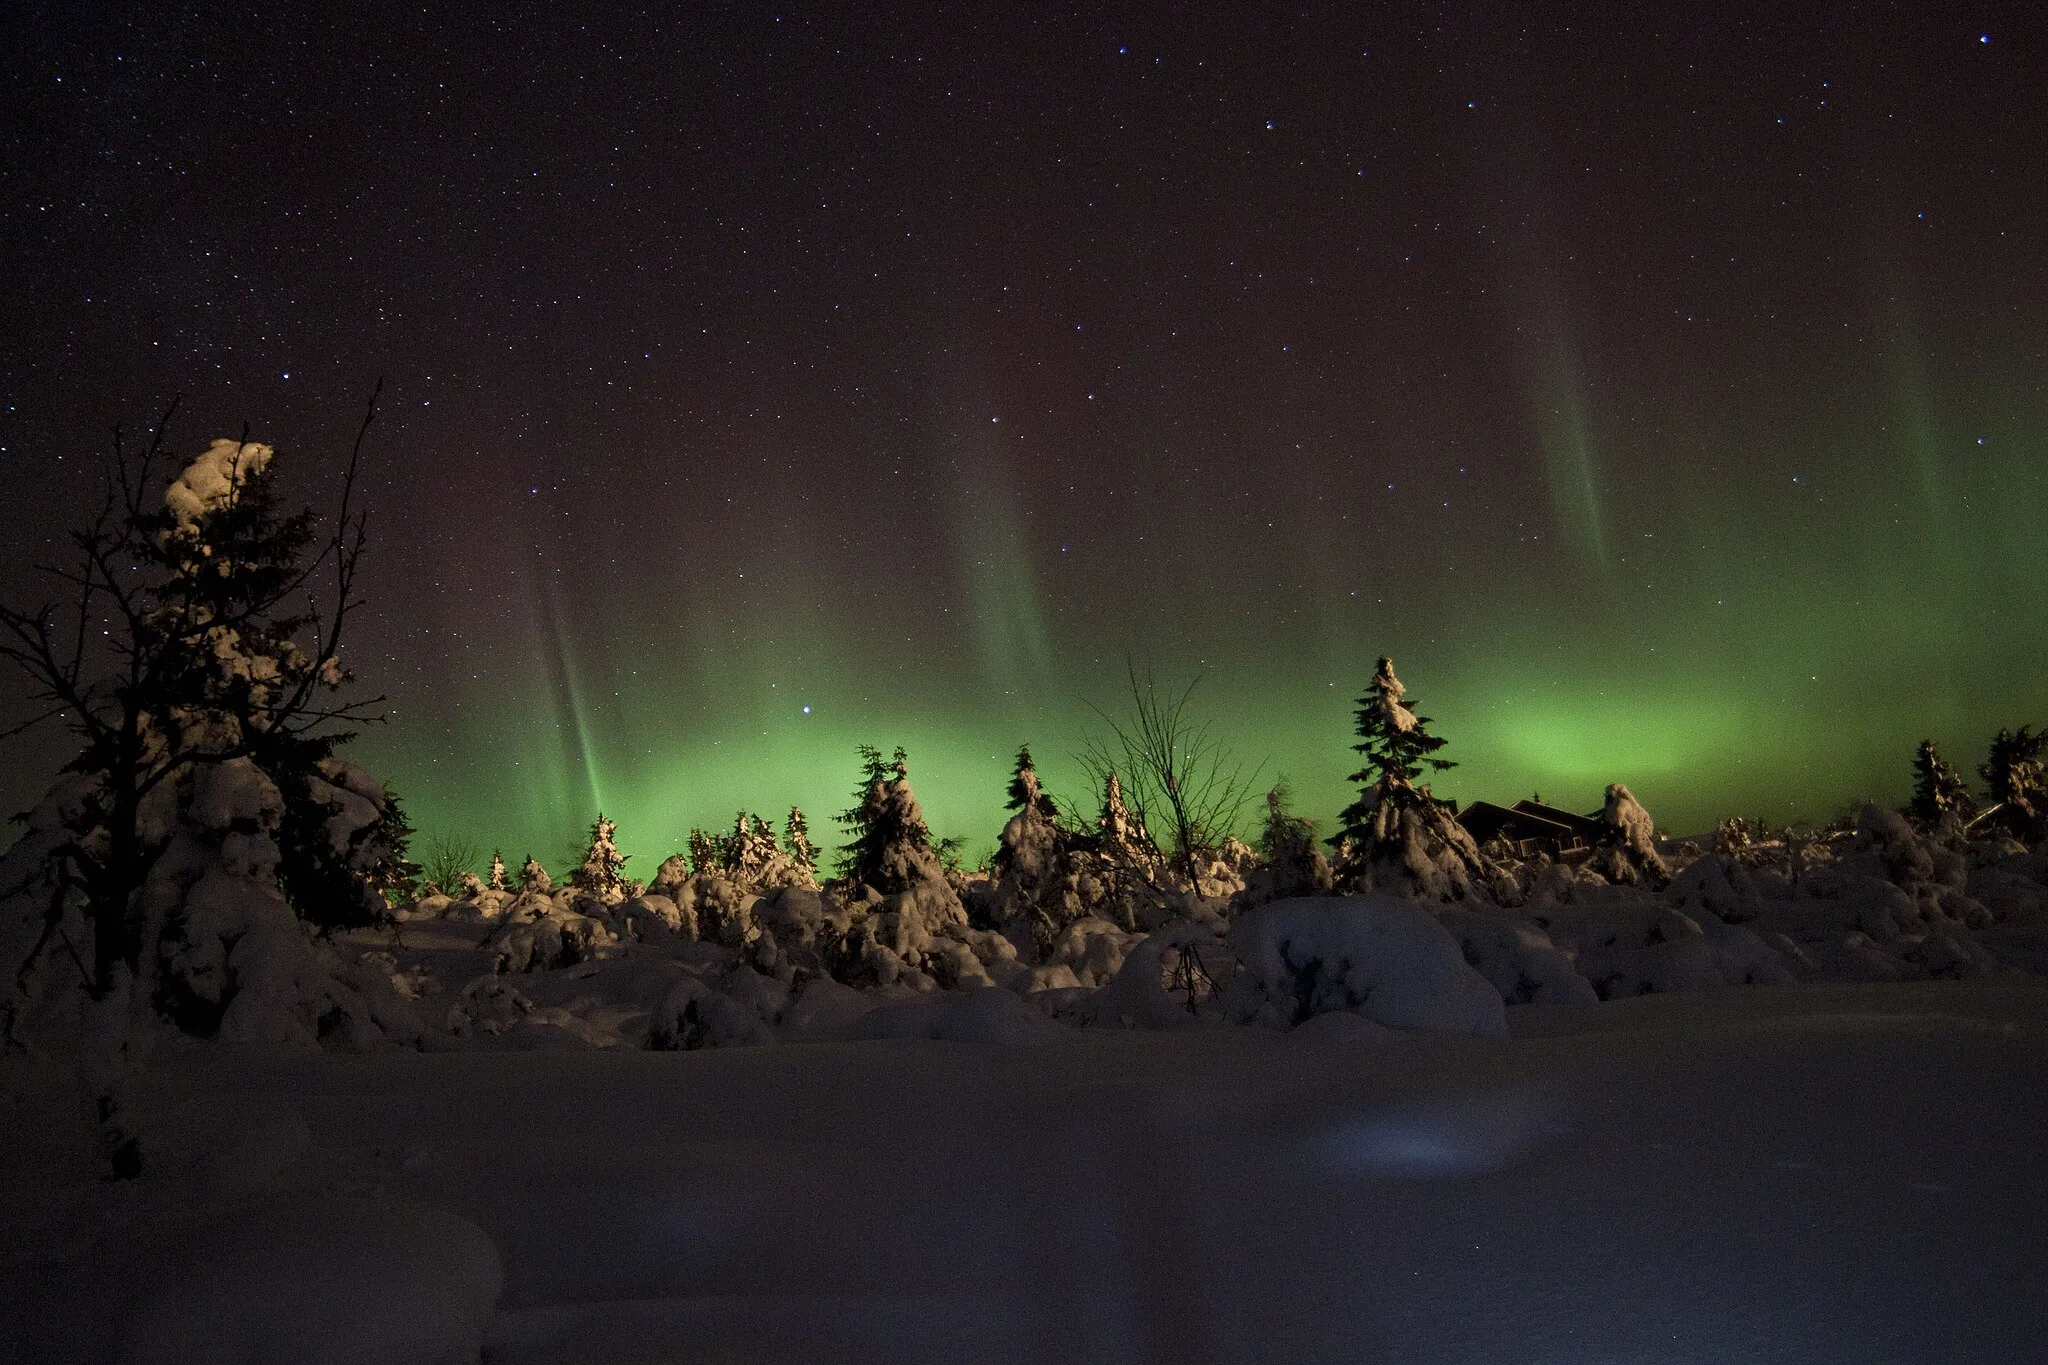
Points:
(1517, 959)
(1387, 959)
(346, 1281)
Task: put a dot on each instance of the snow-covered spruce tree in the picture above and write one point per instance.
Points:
(749, 849)
(1397, 836)
(1026, 792)
(751, 859)
(534, 878)
(2015, 774)
(1294, 866)
(707, 855)
(601, 872)
(796, 838)
(189, 640)
(1120, 831)
(1939, 788)
(889, 847)
(496, 881)
(1029, 860)
(1628, 854)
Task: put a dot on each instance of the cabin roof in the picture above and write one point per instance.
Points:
(1484, 820)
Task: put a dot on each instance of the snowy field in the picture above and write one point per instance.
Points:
(1819, 1172)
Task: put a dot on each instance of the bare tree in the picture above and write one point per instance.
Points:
(189, 630)
(1178, 776)
(448, 856)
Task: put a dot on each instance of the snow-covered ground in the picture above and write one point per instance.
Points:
(1818, 1172)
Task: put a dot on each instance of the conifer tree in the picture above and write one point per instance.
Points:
(1286, 836)
(796, 837)
(750, 850)
(707, 854)
(534, 878)
(600, 873)
(1120, 829)
(2015, 774)
(1025, 789)
(1939, 788)
(890, 848)
(1398, 748)
(497, 880)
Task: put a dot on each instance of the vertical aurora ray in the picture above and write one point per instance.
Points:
(999, 581)
(571, 715)
(1571, 466)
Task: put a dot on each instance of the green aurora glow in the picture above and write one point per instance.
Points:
(1824, 626)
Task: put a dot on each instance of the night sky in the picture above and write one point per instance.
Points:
(1661, 386)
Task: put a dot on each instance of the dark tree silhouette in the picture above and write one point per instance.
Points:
(1939, 788)
(2014, 773)
(191, 632)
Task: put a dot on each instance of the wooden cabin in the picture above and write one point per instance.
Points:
(1531, 827)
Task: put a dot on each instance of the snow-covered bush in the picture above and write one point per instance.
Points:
(1517, 958)
(1093, 949)
(555, 937)
(1388, 959)
(697, 1015)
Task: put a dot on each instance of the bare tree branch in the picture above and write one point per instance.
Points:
(1175, 768)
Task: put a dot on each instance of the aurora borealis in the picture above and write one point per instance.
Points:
(1664, 393)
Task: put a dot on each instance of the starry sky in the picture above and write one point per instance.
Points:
(1662, 390)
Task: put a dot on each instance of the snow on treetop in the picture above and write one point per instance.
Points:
(1390, 691)
(212, 479)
